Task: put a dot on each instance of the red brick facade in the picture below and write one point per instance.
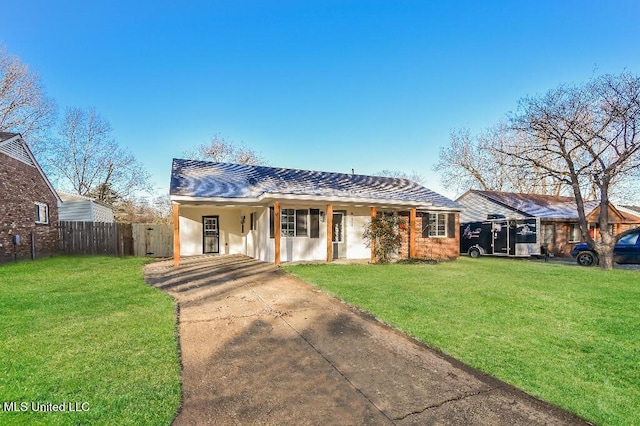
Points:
(556, 238)
(432, 248)
(21, 186)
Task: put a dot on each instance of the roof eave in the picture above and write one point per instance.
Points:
(267, 198)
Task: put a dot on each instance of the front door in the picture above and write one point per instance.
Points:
(210, 234)
(337, 235)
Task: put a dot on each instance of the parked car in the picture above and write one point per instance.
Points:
(626, 250)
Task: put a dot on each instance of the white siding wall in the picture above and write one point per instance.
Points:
(84, 211)
(231, 238)
(257, 243)
(476, 208)
(294, 249)
(75, 211)
(357, 218)
(264, 246)
(190, 231)
(102, 213)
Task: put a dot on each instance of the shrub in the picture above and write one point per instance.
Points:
(383, 232)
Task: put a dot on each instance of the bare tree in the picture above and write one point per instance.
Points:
(24, 108)
(225, 151)
(87, 160)
(143, 210)
(414, 176)
(466, 163)
(586, 136)
(479, 162)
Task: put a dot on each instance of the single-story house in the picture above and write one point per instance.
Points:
(28, 203)
(277, 214)
(558, 215)
(79, 208)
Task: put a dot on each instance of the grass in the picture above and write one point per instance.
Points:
(87, 330)
(565, 334)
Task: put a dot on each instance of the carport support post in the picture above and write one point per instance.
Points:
(276, 230)
(412, 233)
(329, 232)
(373, 243)
(176, 234)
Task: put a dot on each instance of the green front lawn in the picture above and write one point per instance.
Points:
(86, 330)
(565, 334)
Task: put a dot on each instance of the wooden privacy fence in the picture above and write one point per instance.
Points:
(95, 238)
(116, 239)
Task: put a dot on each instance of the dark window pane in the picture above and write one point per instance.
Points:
(451, 225)
(425, 225)
(314, 223)
(301, 223)
(271, 222)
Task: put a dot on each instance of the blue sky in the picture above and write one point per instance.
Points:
(322, 85)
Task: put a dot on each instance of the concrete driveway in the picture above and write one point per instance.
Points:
(259, 346)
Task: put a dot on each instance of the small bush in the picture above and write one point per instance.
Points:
(384, 232)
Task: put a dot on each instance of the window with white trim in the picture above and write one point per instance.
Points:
(437, 224)
(288, 222)
(293, 223)
(42, 213)
(574, 233)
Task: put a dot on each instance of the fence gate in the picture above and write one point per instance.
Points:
(152, 240)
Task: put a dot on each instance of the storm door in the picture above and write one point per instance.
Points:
(337, 235)
(210, 234)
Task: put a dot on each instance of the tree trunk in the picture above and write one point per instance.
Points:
(605, 255)
(608, 241)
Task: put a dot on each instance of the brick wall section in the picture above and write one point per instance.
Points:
(431, 248)
(21, 185)
(562, 246)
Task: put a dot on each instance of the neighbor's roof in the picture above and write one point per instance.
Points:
(201, 180)
(633, 208)
(632, 212)
(535, 205)
(67, 196)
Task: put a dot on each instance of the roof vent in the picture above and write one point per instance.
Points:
(16, 150)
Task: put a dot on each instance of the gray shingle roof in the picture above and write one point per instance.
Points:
(542, 206)
(202, 179)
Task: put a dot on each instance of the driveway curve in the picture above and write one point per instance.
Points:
(259, 346)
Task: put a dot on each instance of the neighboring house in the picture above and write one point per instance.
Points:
(558, 215)
(631, 212)
(276, 214)
(78, 208)
(28, 203)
